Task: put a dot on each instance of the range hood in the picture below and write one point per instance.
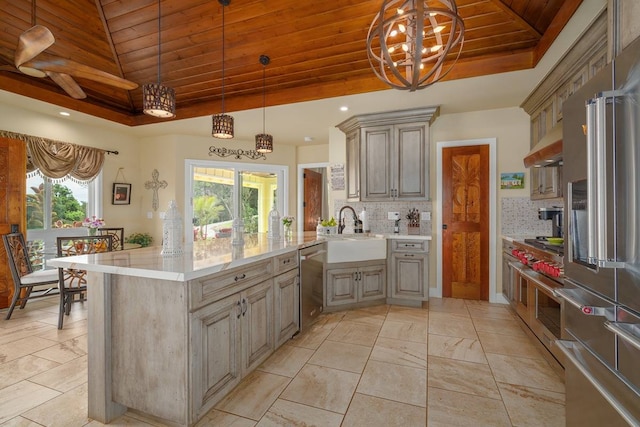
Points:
(548, 151)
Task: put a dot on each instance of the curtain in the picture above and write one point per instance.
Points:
(58, 160)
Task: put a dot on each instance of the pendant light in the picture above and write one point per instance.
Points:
(222, 123)
(159, 100)
(264, 141)
(409, 41)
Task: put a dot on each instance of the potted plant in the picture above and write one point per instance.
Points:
(143, 239)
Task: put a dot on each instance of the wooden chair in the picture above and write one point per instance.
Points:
(73, 282)
(117, 233)
(24, 278)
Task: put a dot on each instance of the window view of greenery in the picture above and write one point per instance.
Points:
(213, 210)
(66, 210)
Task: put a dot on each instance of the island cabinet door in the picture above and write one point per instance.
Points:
(287, 306)
(341, 286)
(409, 276)
(257, 325)
(372, 282)
(215, 342)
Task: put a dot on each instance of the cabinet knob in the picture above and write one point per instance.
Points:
(444, 226)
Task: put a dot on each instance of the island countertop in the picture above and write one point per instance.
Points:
(198, 260)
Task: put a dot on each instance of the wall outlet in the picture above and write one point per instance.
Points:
(393, 216)
(425, 216)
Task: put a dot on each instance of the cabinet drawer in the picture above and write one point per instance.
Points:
(212, 288)
(286, 262)
(413, 245)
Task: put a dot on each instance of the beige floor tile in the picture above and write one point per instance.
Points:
(69, 331)
(287, 360)
(123, 421)
(464, 377)
(68, 409)
(449, 408)
(22, 396)
(221, 419)
(394, 382)
(368, 315)
(524, 371)
(23, 368)
(490, 312)
(398, 313)
(329, 320)
(355, 333)
(497, 326)
(284, 413)
(254, 395)
(65, 351)
(369, 411)
(311, 338)
(25, 330)
(341, 355)
(19, 422)
(529, 407)
(64, 377)
(23, 347)
(511, 346)
(467, 349)
(405, 353)
(323, 388)
(448, 305)
(405, 331)
(452, 325)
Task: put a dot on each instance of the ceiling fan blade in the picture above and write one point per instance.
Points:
(48, 62)
(67, 83)
(31, 43)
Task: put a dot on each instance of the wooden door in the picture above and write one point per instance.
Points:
(312, 199)
(13, 168)
(465, 222)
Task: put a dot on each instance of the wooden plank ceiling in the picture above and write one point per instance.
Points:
(317, 48)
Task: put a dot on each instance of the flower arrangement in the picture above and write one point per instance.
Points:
(287, 220)
(93, 222)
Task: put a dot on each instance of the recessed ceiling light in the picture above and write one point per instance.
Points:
(308, 138)
(64, 113)
(344, 108)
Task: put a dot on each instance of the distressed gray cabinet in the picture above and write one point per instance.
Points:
(546, 182)
(388, 155)
(408, 271)
(349, 284)
(286, 288)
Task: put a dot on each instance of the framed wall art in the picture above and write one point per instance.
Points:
(121, 193)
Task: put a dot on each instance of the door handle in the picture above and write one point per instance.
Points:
(240, 309)
(245, 306)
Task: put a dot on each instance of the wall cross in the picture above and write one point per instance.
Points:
(155, 185)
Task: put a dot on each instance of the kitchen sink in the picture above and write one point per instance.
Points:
(352, 248)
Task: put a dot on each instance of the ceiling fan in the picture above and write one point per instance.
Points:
(31, 59)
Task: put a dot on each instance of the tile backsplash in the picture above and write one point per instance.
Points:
(377, 215)
(520, 216)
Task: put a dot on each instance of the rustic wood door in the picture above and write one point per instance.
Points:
(13, 167)
(465, 222)
(312, 199)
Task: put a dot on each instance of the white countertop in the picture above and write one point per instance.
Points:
(198, 260)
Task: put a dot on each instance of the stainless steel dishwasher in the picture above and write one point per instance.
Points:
(312, 259)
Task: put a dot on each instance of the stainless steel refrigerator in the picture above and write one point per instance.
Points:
(601, 152)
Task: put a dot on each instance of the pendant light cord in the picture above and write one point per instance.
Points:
(223, 6)
(159, 41)
(264, 98)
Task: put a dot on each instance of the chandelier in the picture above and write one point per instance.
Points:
(409, 42)
(222, 124)
(264, 141)
(159, 100)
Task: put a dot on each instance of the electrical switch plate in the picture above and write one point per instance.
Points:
(393, 215)
(425, 216)
(150, 215)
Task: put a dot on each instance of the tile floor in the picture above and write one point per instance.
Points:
(457, 363)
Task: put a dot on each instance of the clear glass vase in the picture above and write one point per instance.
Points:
(92, 231)
(288, 232)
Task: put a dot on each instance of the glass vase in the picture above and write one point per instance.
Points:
(288, 232)
(92, 231)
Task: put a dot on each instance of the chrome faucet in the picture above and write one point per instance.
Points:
(357, 223)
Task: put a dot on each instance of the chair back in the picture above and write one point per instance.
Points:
(18, 255)
(79, 245)
(117, 233)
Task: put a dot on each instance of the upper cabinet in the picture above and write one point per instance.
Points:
(388, 155)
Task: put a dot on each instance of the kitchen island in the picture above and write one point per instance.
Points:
(170, 336)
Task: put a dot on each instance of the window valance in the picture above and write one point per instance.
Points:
(56, 160)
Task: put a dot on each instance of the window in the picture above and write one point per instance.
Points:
(57, 209)
(217, 192)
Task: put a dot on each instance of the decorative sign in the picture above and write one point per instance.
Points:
(238, 153)
(337, 176)
(512, 180)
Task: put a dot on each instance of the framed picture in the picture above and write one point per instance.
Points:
(121, 194)
(512, 180)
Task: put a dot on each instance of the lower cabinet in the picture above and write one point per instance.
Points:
(231, 337)
(351, 284)
(286, 288)
(408, 270)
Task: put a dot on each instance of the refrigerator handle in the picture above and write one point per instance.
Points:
(592, 256)
(626, 331)
(572, 296)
